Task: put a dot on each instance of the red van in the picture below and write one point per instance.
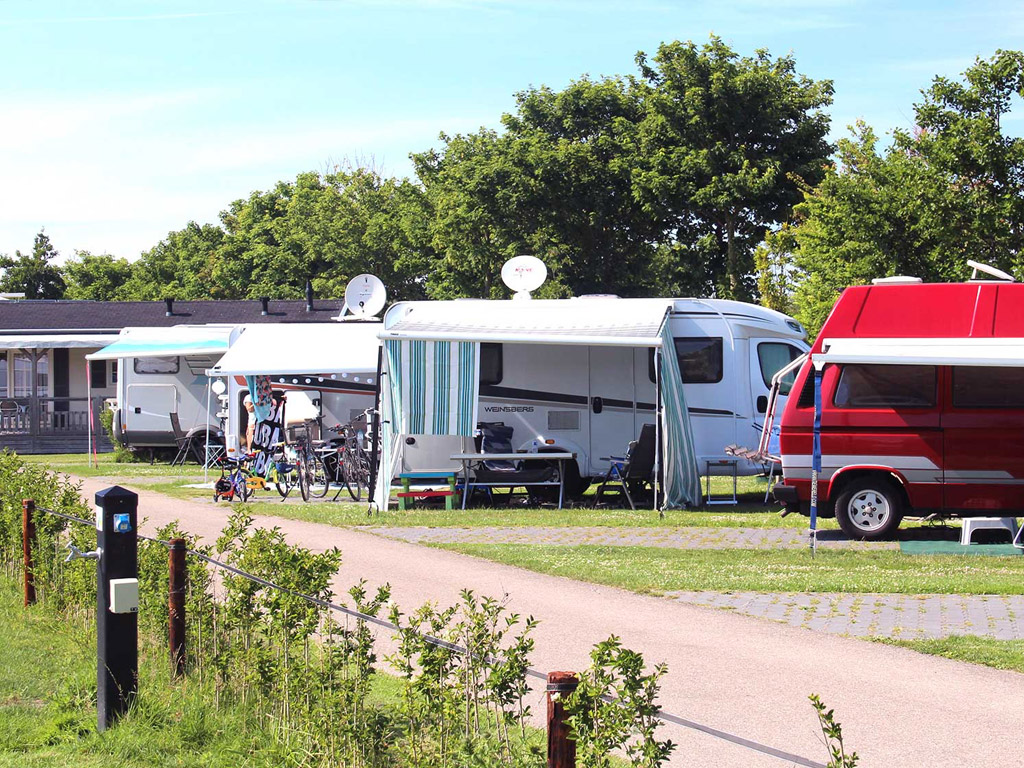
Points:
(922, 407)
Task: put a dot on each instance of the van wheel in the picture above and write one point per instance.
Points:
(870, 508)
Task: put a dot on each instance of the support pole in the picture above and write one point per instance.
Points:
(88, 405)
(815, 460)
(206, 450)
(561, 749)
(117, 641)
(176, 606)
(28, 534)
(375, 428)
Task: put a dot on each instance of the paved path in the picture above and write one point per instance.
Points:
(732, 672)
(907, 617)
(692, 537)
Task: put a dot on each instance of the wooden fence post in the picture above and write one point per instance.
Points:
(28, 533)
(176, 606)
(561, 749)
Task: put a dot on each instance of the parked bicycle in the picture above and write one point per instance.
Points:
(348, 466)
(311, 475)
(236, 480)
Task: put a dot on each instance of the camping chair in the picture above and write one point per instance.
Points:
(496, 437)
(636, 467)
(183, 441)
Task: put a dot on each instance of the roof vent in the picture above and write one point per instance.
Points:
(309, 296)
(264, 306)
(896, 280)
(598, 296)
(170, 307)
(998, 274)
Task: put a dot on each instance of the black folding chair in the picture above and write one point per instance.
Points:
(186, 446)
(636, 467)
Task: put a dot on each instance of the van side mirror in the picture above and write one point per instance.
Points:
(762, 404)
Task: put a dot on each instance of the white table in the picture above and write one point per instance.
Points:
(468, 459)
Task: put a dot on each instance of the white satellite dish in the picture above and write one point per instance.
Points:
(365, 296)
(524, 274)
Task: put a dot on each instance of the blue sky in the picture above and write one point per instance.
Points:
(121, 121)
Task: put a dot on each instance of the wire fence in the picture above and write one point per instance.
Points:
(717, 733)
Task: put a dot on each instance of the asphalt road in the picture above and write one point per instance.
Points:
(746, 676)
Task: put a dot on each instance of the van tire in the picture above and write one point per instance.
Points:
(870, 508)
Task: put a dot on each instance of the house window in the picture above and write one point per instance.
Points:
(156, 364)
(700, 360)
(491, 363)
(22, 374)
(773, 356)
(3, 374)
(113, 371)
(886, 386)
(98, 373)
(981, 387)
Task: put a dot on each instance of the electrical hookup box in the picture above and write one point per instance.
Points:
(124, 595)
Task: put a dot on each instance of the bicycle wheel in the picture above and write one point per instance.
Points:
(282, 482)
(352, 475)
(303, 479)
(318, 482)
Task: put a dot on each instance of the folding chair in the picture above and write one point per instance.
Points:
(183, 441)
(636, 467)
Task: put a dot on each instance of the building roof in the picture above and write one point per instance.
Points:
(41, 315)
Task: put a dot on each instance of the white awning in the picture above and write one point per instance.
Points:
(55, 340)
(1004, 352)
(168, 342)
(589, 322)
(290, 348)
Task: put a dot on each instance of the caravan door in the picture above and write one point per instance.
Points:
(612, 405)
(149, 409)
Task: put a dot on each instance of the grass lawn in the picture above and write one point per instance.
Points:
(655, 571)
(1001, 654)
(105, 466)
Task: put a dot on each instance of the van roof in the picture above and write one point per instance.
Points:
(927, 310)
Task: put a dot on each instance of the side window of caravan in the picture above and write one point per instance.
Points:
(995, 387)
(700, 360)
(773, 357)
(156, 365)
(886, 386)
(492, 364)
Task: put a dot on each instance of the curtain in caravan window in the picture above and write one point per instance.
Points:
(681, 478)
(434, 386)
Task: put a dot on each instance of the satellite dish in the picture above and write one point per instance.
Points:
(365, 296)
(524, 274)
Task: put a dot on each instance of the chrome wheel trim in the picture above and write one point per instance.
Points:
(869, 511)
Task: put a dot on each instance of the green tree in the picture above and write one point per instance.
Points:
(97, 278)
(33, 273)
(180, 267)
(726, 143)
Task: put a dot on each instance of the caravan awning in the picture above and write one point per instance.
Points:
(167, 342)
(288, 348)
(1004, 352)
(589, 322)
(55, 340)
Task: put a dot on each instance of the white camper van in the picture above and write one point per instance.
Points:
(580, 374)
(162, 372)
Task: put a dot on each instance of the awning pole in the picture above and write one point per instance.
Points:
(659, 414)
(815, 460)
(206, 454)
(88, 404)
(375, 428)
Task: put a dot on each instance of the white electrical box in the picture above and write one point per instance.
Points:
(124, 595)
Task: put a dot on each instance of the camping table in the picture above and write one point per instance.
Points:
(469, 458)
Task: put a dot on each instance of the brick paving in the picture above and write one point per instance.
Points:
(906, 617)
(694, 537)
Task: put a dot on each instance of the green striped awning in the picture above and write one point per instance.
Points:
(434, 386)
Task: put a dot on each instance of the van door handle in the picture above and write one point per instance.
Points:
(597, 404)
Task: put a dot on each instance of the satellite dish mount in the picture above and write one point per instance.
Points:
(365, 296)
(523, 274)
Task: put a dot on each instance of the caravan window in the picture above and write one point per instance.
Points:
(700, 360)
(773, 357)
(491, 363)
(886, 386)
(156, 364)
(995, 387)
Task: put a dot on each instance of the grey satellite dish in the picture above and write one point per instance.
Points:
(365, 296)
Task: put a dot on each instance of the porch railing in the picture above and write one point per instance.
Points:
(48, 415)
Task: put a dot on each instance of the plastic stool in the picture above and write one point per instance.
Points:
(972, 524)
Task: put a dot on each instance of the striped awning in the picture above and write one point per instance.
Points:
(167, 342)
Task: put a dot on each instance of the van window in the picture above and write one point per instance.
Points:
(156, 365)
(773, 356)
(995, 387)
(492, 369)
(700, 360)
(886, 386)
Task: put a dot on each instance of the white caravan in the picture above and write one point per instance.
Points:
(326, 369)
(567, 377)
(161, 371)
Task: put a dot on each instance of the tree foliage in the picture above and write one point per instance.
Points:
(97, 278)
(33, 273)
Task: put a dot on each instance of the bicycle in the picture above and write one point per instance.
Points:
(352, 462)
(312, 475)
(235, 483)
